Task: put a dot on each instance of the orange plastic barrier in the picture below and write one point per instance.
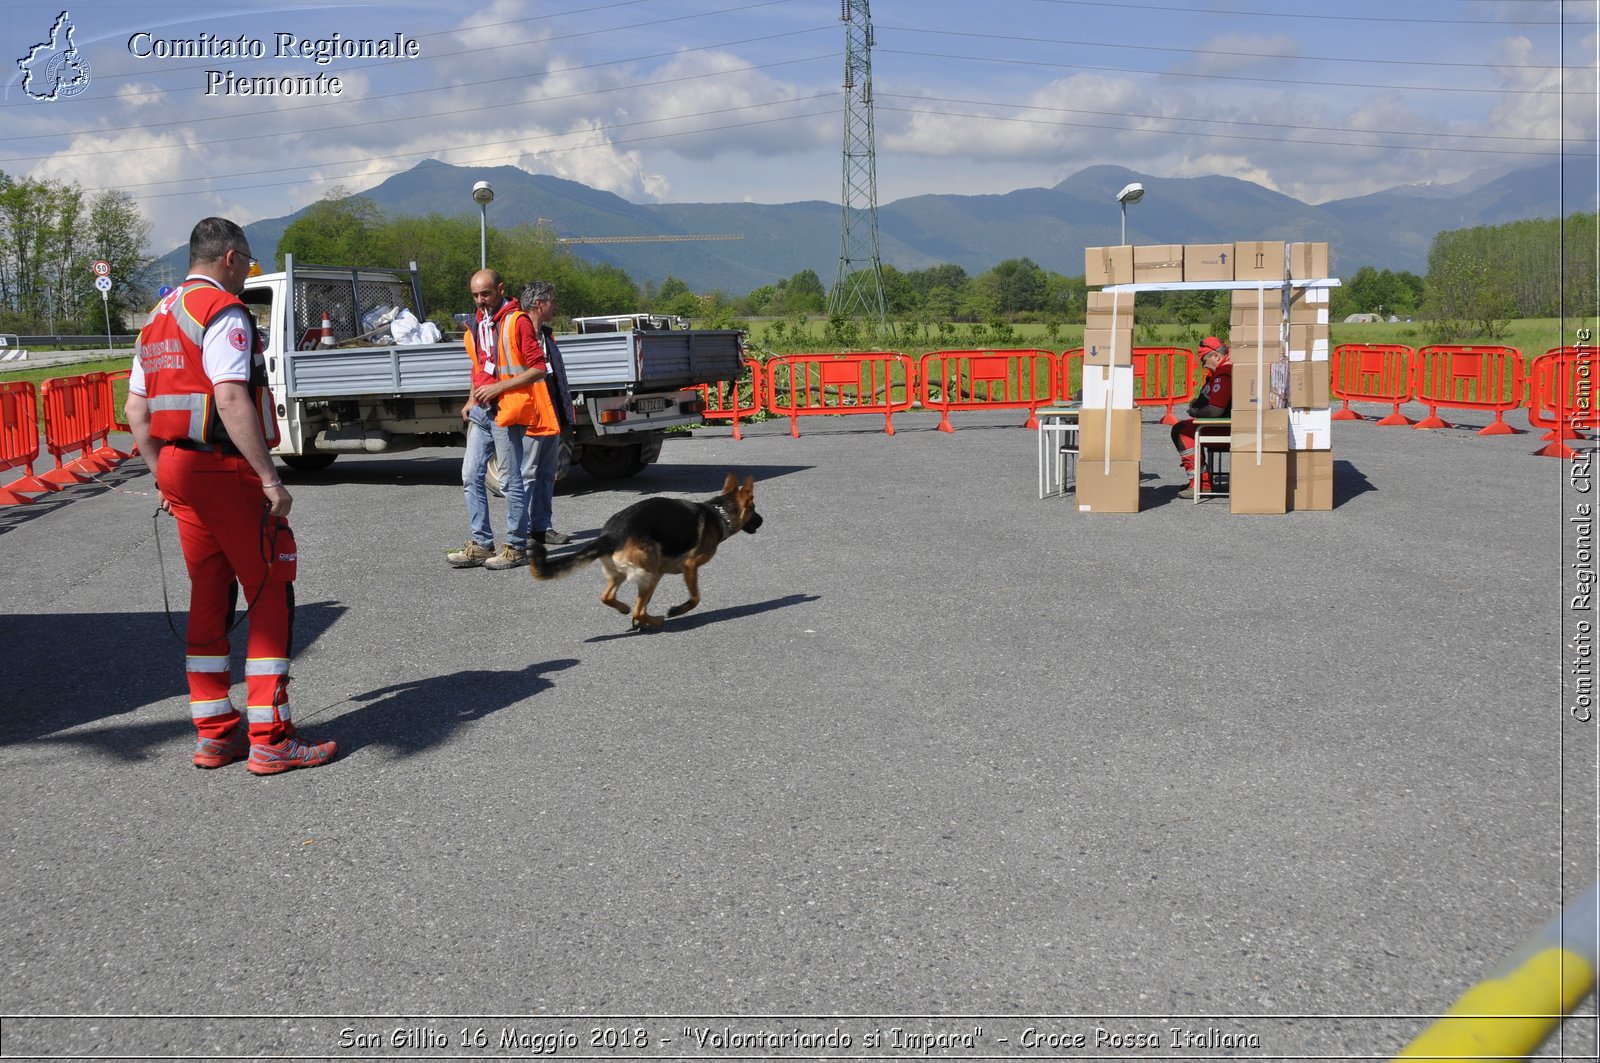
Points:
(723, 403)
(804, 385)
(994, 380)
(1372, 372)
(1164, 376)
(69, 425)
(102, 418)
(19, 442)
(1561, 397)
(117, 424)
(1468, 378)
(1070, 381)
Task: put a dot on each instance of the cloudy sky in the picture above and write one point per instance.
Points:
(725, 100)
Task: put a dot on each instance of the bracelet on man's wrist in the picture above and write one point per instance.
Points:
(269, 486)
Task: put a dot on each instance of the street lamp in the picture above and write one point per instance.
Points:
(1131, 194)
(483, 195)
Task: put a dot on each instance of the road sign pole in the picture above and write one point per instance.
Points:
(102, 281)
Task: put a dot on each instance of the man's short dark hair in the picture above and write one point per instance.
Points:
(214, 237)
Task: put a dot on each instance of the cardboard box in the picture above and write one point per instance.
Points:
(1258, 260)
(1117, 434)
(1250, 346)
(1308, 306)
(1270, 427)
(1208, 262)
(1260, 384)
(1309, 384)
(1256, 307)
(1251, 335)
(1258, 483)
(1108, 387)
(1308, 261)
(1105, 307)
(1154, 263)
(1308, 343)
(1311, 429)
(1311, 479)
(1108, 346)
(1107, 265)
(1108, 487)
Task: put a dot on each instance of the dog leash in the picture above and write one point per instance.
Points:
(269, 555)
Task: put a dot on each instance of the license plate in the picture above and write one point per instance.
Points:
(653, 404)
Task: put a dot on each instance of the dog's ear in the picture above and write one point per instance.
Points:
(730, 483)
(749, 487)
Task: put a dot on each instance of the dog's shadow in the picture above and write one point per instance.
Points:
(713, 616)
(415, 716)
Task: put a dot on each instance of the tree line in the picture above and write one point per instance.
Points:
(50, 232)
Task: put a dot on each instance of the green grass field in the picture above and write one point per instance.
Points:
(1531, 336)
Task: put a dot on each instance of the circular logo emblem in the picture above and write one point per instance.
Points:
(239, 340)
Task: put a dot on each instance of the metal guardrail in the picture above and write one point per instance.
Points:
(98, 340)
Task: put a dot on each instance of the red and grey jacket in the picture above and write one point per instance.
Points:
(171, 352)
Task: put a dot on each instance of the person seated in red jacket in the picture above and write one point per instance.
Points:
(1214, 399)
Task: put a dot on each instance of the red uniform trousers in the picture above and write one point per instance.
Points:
(1183, 439)
(227, 536)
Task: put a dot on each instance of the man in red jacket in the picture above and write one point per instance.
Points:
(1214, 399)
(200, 413)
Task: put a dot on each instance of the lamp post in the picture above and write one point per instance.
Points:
(1131, 194)
(483, 195)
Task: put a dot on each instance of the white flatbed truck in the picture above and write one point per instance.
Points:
(632, 376)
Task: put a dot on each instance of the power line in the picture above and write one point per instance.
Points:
(401, 169)
(499, 29)
(1204, 121)
(1218, 77)
(1120, 6)
(1217, 52)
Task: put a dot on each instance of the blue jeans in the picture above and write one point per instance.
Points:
(517, 467)
(542, 484)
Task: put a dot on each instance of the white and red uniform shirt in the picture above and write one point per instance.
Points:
(226, 350)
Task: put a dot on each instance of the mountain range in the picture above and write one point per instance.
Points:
(1392, 229)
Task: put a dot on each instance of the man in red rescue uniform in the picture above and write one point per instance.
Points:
(200, 413)
(1214, 399)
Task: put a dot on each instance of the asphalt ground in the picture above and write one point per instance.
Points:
(933, 756)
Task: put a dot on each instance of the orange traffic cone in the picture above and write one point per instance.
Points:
(327, 330)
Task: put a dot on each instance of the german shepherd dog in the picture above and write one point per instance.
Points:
(655, 537)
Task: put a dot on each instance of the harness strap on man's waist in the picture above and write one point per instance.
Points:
(219, 447)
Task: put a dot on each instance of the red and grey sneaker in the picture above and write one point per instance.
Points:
(215, 752)
(288, 755)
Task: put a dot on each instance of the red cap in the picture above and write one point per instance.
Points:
(1210, 343)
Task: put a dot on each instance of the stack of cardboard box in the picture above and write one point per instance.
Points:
(1310, 382)
(1110, 435)
(1282, 455)
(1282, 452)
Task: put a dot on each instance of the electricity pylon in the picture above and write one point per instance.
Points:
(858, 288)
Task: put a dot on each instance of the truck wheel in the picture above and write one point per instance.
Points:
(564, 458)
(491, 477)
(612, 463)
(307, 462)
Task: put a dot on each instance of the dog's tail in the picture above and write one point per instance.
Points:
(541, 566)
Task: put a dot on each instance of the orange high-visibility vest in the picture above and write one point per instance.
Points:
(529, 406)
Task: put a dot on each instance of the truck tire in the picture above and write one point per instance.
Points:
(563, 467)
(491, 477)
(307, 462)
(612, 463)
